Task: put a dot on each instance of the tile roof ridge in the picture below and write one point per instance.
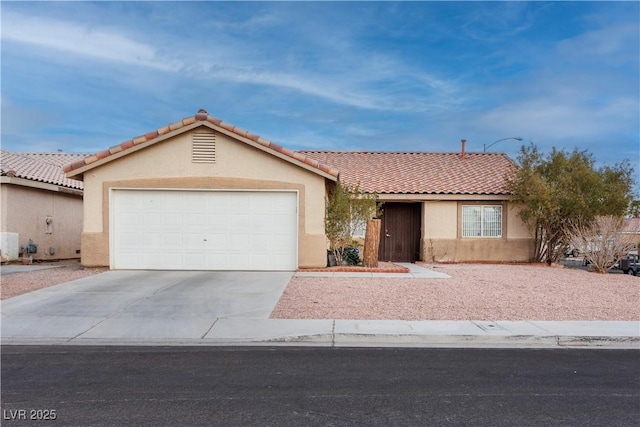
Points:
(51, 153)
(55, 153)
(26, 156)
(201, 116)
(447, 153)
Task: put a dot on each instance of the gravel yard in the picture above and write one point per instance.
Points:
(15, 284)
(474, 292)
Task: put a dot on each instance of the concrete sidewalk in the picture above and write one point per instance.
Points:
(327, 333)
(233, 308)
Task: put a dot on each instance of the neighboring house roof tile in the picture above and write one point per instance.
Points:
(201, 116)
(419, 172)
(42, 167)
(59, 159)
(631, 225)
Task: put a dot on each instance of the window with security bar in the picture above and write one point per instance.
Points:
(482, 221)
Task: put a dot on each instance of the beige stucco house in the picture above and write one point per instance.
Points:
(632, 228)
(201, 194)
(39, 205)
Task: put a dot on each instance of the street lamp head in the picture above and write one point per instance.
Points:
(485, 146)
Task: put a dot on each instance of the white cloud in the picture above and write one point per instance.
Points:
(610, 44)
(349, 77)
(81, 40)
(550, 119)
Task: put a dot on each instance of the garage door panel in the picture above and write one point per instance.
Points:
(172, 220)
(193, 261)
(148, 239)
(240, 261)
(196, 242)
(279, 223)
(204, 230)
(217, 242)
(239, 221)
(239, 242)
(216, 259)
(240, 203)
(171, 240)
(261, 242)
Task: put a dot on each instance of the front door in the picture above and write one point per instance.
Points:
(400, 232)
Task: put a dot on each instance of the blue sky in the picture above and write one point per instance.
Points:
(382, 76)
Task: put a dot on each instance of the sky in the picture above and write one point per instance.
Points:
(366, 76)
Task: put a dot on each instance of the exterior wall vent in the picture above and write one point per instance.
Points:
(203, 148)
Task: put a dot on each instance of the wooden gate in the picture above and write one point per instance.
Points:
(400, 232)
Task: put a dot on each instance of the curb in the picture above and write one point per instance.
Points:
(360, 340)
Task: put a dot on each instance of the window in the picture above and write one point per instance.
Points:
(482, 221)
(358, 228)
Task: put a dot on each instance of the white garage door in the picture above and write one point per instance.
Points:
(204, 230)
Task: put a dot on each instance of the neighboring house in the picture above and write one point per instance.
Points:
(201, 194)
(39, 205)
(632, 227)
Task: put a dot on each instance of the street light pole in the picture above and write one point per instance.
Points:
(484, 146)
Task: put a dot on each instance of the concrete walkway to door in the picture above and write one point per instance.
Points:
(141, 305)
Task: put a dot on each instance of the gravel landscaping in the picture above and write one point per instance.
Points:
(474, 292)
(15, 284)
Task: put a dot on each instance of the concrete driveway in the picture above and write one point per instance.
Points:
(162, 305)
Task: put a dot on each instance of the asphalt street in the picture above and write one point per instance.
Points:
(261, 386)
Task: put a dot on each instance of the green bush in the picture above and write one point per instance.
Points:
(351, 256)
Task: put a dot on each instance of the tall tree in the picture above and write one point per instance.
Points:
(564, 188)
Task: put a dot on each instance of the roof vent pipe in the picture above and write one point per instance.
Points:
(464, 143)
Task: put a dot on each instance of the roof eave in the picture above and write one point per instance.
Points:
(39, 184)
(442, 196)
(133, 145)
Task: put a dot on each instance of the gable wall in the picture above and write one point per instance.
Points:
(168, 164)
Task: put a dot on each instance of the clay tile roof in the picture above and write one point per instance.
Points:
(201, 116)
(420, 173)
(42, 167)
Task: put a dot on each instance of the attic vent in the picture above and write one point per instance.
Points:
(204, 148)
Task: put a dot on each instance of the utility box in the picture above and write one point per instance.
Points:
(29, 248)
(9, 246)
